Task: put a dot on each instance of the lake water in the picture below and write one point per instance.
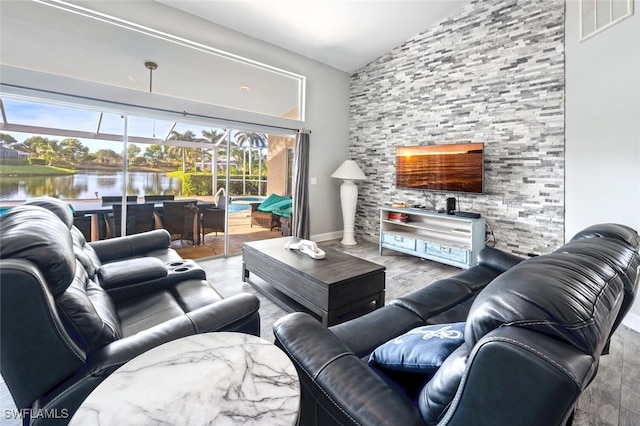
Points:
(86, 184)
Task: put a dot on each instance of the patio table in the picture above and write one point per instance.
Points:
(95, 208)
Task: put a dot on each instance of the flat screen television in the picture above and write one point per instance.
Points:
(450, 167)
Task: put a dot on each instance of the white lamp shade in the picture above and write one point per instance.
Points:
(349, 170)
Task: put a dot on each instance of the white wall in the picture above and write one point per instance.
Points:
(327, 97)
(327, 94)
(603, 127)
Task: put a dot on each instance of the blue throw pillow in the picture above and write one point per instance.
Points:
(422, 349)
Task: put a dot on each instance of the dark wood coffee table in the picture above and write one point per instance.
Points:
(335, 288)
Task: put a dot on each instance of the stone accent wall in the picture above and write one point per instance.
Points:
(493, 73)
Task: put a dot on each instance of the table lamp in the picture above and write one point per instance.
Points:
(348, 172)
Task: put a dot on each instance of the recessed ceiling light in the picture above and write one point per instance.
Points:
(244, 88)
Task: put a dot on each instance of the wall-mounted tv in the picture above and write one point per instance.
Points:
(450, 167)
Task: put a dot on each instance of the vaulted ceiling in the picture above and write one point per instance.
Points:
(345, 34)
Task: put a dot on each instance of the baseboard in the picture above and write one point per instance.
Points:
(327, 236)
(632, 321)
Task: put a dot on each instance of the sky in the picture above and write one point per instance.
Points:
(86, 120)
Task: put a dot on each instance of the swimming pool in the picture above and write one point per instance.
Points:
(242, 202)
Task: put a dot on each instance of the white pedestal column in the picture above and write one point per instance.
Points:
(349, 199)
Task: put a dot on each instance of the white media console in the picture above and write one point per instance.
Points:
(444, 238)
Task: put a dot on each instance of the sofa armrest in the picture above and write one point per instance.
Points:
(236, 313)
(498, 259)
(549, 375)
(131, 271)
(224, 315)
(131, 245)
(337, 387)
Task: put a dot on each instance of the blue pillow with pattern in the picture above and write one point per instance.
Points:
(422, 349)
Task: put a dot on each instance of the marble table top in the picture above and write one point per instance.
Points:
(205, 379)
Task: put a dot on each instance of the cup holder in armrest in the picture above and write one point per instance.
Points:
(186, 269)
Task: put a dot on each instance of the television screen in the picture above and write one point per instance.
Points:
(449, 167)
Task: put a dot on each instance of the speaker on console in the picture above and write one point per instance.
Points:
(451, 205)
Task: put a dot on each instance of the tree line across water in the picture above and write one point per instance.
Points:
(71, 153)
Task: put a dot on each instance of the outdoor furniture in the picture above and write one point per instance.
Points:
(156, 198)
(267, 213)
(264, 219)
(83, 223)
(139, 219)
(180, 219)
(118, 199)
(211, 220)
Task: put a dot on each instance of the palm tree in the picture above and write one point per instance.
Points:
(245, 138)
(252, 140)
(186, 136)
(216, 138)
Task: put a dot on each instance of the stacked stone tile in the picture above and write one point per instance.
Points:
(493, 73)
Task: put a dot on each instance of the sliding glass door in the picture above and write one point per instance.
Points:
(82, 156)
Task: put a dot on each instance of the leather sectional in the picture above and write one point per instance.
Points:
(534, 332)
(72, 312)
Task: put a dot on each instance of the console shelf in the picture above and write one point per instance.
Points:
(448, 239)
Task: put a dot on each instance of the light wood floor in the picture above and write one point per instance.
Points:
(612, 399)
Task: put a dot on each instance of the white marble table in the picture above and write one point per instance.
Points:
(206, 379)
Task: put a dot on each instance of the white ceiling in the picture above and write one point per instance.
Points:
(345, 34)
(66, 40)
(92, 44)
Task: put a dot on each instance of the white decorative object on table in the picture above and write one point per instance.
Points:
(211, 378)
(349, 172)
(307, 247)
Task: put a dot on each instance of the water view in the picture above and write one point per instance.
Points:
(88, 185)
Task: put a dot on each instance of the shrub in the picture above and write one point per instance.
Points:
(198, 184)
(14, 161)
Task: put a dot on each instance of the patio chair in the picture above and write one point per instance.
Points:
(139, 219)
(180, 219)
(83, 223)
(157, 199)
(211, 220)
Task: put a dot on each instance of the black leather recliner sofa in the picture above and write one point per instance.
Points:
(533, 335)
(72, 312)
